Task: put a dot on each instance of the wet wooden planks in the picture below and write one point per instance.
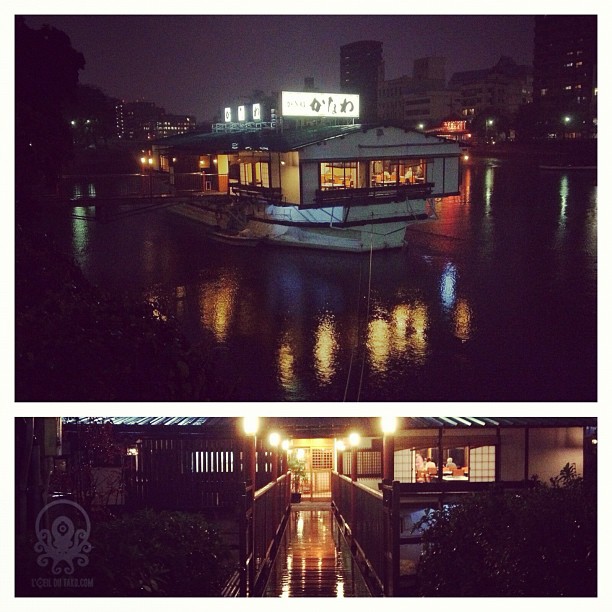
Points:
(313, 560)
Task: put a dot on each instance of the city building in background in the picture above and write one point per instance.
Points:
(565, 73)
(419, 101)
(361, 69)
(143, 120)
(501, 89)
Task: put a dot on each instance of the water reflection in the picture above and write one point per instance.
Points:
(563, 194)
(393, 335)
(463, 320)
(80, 231)
(286, 364)
(488, 187)
(218, 304)
(325, 349)
(77, 191)
(466, 186)
(448, 285)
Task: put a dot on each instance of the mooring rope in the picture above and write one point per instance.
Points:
(367, 310)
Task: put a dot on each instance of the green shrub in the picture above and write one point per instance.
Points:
(159, 553)
(537, 542)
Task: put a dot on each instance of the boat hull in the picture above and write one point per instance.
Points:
(359, 229)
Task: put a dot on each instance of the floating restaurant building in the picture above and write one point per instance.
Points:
(310, 176)
(376, 484)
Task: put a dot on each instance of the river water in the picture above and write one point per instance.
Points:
(495, 301)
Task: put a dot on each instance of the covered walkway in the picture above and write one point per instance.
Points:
(313, 558)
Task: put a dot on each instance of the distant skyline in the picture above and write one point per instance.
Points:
(196, 64)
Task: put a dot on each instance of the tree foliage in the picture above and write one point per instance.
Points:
(92, 117)
(94, 446)
(538, 542)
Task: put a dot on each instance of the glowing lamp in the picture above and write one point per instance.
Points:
(250, 425)
(388, 424)
(354, 439)
(274, 439)
(285, 445)
(340, 446)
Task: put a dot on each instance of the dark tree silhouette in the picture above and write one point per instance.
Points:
(46, 79)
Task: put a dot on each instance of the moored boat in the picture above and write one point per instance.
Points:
(340, 187)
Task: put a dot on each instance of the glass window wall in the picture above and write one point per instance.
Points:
(255, 173)
(387, 172)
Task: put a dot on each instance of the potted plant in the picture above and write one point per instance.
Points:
(297, 468)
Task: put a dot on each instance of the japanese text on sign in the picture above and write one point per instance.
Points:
(311, 104)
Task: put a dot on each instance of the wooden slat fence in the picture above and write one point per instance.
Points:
(188, 474)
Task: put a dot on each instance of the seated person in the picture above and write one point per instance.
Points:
(429, 464)
(450, 464)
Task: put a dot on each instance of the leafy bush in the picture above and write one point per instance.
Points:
(538, 542)
(159, 553)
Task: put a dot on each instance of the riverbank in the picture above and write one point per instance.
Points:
(543, 152)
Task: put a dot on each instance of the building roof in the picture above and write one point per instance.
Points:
(506, 66)
(271, 140)
(304, 427)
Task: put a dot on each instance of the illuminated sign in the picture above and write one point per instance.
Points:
(241, 113)
(308, 104)
(256, 112)
(228, 113)
(454, 126)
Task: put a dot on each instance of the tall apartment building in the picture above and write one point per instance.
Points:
(142, 120)
(501, 89)
(361, 70)
(565, 70)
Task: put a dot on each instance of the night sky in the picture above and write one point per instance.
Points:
(196, 64)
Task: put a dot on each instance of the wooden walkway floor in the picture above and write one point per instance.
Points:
(313, 559)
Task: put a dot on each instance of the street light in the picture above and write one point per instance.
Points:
(489, 123)
(566, 121)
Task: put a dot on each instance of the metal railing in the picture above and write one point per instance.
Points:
(364, 196)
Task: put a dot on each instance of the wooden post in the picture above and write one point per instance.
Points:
(388, 457)
(274, 460)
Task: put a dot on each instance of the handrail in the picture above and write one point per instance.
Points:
(260, 492)
(365, 195)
